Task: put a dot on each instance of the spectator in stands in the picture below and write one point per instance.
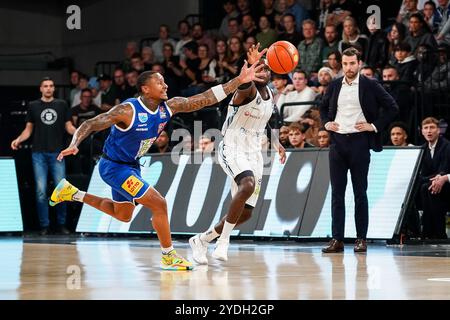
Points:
(298, 11)
(331, 42)
(440, 77)
(323, 14)
(334, 62)
(351, 37)
(284, 137)
(443, 34)
(434, 178)
(190, 65)
(419, 33)
(395, 36)
(267, 35)
(407, 11)
(222, 74)
(249, 26)
(162, 143)
(290, 33)
(130, 49)
(234, 29)
(74, 82)
(311, 123)
(137, 63)
(48, 118)
(94, 85)
(131, 77)
(297, 136)
(296, 92)
(323, 137)
(377, 47)
(406, 63)
(309, 49)
(398, 132)
(279, 82)
(230, 12)
(186, 145)
(121, 89)
(85, 110)
(268, 10)
(248, 43)
(235, 52)
(171, 63)
(148, 58)
(341, 10)
(431, 16)
(108, 93)
(325, 77)
(205, 75)
(164, 37)
(184, 29)
(368, 71)
(401, 93)
(202, 38)
(205, 144)
(82, 84)
(243, 7)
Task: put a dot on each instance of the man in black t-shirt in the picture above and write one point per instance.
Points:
(47, 118)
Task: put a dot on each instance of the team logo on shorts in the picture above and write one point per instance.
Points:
(143, 116)
(132, 185)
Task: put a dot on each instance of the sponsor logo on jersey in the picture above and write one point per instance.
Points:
(143, 116)
(49, 116)
(132, 185)
(162, 112)
(161, 126)
(249, 114)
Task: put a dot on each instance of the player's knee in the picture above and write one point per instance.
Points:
(247, 186)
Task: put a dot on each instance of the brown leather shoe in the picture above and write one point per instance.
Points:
(360, 245)
(334, 246)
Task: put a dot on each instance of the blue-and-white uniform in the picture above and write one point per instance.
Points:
(119, 167)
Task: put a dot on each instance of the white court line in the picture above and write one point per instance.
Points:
(439, 279)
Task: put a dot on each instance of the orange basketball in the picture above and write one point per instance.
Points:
(282, 57)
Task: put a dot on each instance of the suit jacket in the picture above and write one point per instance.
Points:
(439, 164)
(372, 97)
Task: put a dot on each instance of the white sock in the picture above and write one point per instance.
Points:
(79, 196)
(209, 235)
(226, 232)
(166, 250)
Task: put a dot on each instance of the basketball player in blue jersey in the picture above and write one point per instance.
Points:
(240, 157)
(135, 125)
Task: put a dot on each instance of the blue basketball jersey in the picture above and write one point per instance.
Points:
(128, 145)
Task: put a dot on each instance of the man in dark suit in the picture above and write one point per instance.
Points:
(351, 112)
(434, 177)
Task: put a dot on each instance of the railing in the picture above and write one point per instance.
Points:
(105, 67)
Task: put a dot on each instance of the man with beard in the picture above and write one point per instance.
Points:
(351, 112)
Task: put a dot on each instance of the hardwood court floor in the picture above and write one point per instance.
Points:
(93, 268)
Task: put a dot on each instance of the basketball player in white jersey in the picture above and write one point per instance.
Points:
(240, 156)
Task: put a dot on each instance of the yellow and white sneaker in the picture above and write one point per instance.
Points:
(64, 191)
(173, 261)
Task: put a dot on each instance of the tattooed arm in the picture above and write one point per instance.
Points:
(121, 115)
(207, 98)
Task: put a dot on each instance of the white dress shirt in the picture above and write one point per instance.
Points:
(349, 110)
(294, 113)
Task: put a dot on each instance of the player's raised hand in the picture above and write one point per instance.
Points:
(253, 54)
(252, 73)
(67, 152)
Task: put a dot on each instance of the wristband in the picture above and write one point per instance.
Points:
(219, 93)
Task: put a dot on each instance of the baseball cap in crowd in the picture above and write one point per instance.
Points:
(104, 76)
(93, 83)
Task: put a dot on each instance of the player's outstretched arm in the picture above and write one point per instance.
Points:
(217, 93)
(122, 113)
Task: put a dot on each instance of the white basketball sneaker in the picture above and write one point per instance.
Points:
(221, 250)
(199, 249)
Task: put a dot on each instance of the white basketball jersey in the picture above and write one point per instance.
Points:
(245, 125)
